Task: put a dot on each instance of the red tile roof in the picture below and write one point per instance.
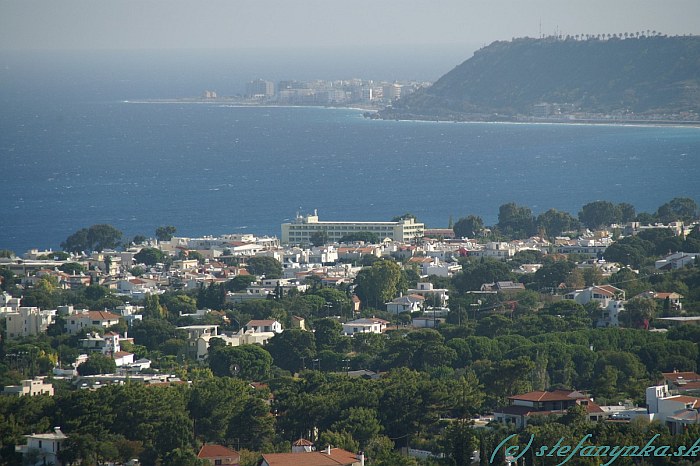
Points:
(302, 442)
(686, 376)
(217, 451)
(555, 395)
(260, 323)
(314, 458)
(102, 315)
(686, 399)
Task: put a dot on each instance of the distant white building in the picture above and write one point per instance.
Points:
(303, 227)
(46, 447)
(8, 303)
(608, 297)
(368, 325)
(29, 387)
(411, 303)
(28, 321)
(676, 411)
(434, 296)
(268, 325)
(109, 343)
(676, 260)
(76, 322)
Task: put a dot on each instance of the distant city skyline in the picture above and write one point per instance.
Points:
(247, 24)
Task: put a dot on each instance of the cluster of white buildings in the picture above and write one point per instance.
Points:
(329, 92)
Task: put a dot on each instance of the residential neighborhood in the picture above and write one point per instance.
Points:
(349, 343)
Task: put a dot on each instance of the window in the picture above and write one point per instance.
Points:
(218, 462)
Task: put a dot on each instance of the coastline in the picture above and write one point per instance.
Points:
(237, 103)
(373, 112)
(546, 121)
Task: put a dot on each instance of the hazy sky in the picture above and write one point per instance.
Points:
(235, 24)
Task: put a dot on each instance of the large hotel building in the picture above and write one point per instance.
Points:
(300, 231)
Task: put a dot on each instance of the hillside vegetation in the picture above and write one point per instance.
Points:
(647, 75)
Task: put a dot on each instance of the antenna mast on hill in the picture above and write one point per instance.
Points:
(540, 28)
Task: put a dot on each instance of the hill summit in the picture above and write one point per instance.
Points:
(635, 77)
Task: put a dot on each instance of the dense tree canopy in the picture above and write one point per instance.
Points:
(149, 256)
(516, 221)
(94, 238)
(249, 362)
(267, 266)
(468, 227)
(165, 233)
(598, 214)
(380, 283)
(679, 208)
(554, 222)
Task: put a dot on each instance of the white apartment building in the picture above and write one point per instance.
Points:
(675, 411)
(28, 321)
(29, 387)
(300, 231)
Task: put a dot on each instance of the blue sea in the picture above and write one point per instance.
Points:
(73, 153)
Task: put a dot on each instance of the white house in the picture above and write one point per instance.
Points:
(411, 303)
(137, 287)
(435, 296)
(108, 343)
(46, 445)
(608, 297)
(371, 325)
(257, 333)
(76, 322)
(263, 326)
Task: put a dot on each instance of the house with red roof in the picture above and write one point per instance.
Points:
(262, 326)
(609, 298)
(76, 322)
(682, 382)
(219, 455)
(673, 299)
(544, 403)
(327, 457)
